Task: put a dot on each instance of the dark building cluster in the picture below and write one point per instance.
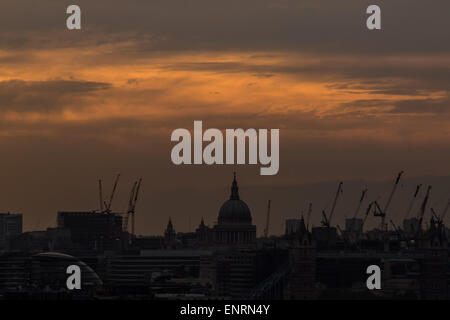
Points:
(227, 260)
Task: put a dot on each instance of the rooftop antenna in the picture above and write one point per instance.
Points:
(308, 216)
(100, 195)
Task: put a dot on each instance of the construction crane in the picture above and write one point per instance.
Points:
(367, 213)
(338, 192)
(133, 213)
(324, 221)
(382, 212)
(363, 195)
(423, 208)
(130, 205)
(397, 230)
(435, 216)
(108, 205)
(440, 218)
(413, 201)
(266, 229)
(343, 235)
(378, 212)
(445, 211)
(358, 235)
(327, 221)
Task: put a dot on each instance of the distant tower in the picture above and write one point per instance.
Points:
(203, 234)
(234, 226)
(302, 258)
(170, 236)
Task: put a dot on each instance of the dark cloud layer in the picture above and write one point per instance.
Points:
(325, 26)
(44, 96)
(430, 106)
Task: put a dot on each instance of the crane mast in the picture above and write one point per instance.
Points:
(108, 207)
(130, 205)
(363, 195)
(413, 200)
(382, 212)
(435, 215)
(440, 218)
(393, 191)
(325, 219)
(133, 212)
(445, 211)
(338, 192)
(367, 212)
(397, 230)
(423, 208)
(344, 237)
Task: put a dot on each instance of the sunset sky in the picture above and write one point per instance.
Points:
(351, 104)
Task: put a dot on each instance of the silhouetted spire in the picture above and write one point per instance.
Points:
(234, 189)
(302, 227)
(169, 225)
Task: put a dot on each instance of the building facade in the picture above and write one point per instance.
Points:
(10, 226)
(93, 230)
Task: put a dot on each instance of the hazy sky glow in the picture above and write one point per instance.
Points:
(350, 104)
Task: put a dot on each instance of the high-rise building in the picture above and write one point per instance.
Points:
(434, 273)
(354, 225)
(10, 225)
(94, 230)
(292, 226)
